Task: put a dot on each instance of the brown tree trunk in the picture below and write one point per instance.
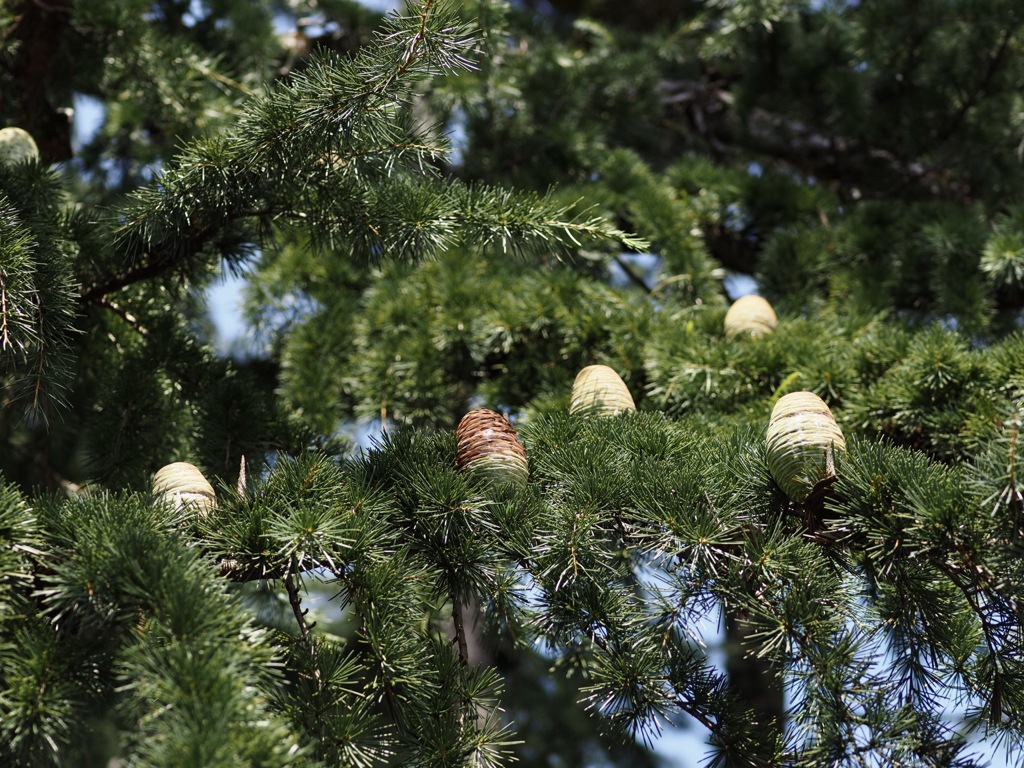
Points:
(40, 28)
(752, 679)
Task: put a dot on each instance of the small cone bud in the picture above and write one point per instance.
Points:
(598, 391)
(489, 449)
(182, 484)
(17, 146)
(241, 485)
(803, 438)
(750, 315)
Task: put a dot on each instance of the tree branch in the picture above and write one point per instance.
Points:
(125, 315)
(160, 261)
(708, 111)
(970, 591)
(295, 600)
(460, 631)
(990, 72)
(631, 274)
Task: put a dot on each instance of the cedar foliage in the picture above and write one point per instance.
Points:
(437, 211)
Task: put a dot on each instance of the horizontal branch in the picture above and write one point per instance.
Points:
(237, 571)
(161, 261)
(709, 110)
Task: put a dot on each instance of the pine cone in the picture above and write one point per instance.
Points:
(750, 315)
(182, 484)
(17, 146)
(489, 449)
(802, 439)
(598, 391)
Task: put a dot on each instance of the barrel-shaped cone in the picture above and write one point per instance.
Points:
(599, 391)
(802, 441)
(183, 485)
(17, 146)
(489, 449)
(751, 316)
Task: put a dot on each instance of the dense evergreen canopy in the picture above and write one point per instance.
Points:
(460, 206)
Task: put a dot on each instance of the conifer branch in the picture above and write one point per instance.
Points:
(991, 640)
(342, 160)
(157, 262)
(306, 636)
(295, 601)
(124, 314)
(742, 753)
(340, 114)
(460, 630)
(413, 52)
(19, 299)
(992, 68)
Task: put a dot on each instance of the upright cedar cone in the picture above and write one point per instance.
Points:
(599, 391)
(803, 438)
(17, 146)
(182, 484)
(489, 449)
(750, 315)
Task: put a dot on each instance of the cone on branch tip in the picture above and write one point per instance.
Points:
(17, 146)
(802, 441)
(489, 449)
(750, 316)
(600, 391)
(182, 485)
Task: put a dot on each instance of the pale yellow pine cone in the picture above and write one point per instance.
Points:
(802, 441)
(599, 391)
(751, 315)
(182, 484)
(17, 146)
